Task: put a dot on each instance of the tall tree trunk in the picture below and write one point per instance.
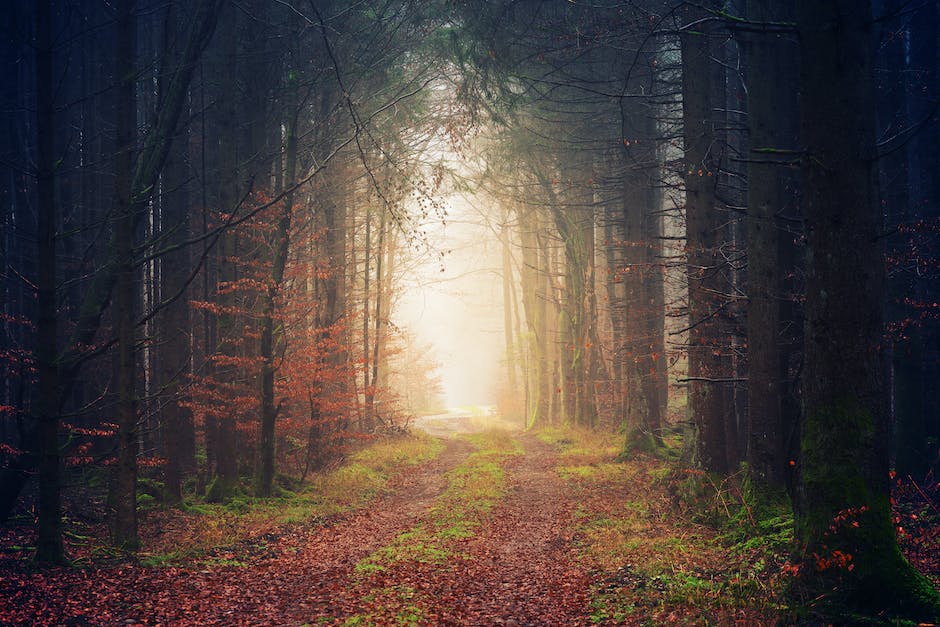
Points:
(124, 480)
(331, 319)
(509, 342)
(640, 234)
(173, 351)
(730, 95)
(371, 389)
(653, 322)
(552, 312)
(210, 277)
(391, 263)
(365, 420)
(575, 227)
(533, 304)
(615, 262)
(569, 319)
(590, 368)
(521, 355)
(843, 497)
(772, 120)
(701, 170)
(264, 479)
(49, 541)
(226, 470)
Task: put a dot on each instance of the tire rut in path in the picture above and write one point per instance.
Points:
(519, 568)
(523, 568)
(305, 581)
(296, 580)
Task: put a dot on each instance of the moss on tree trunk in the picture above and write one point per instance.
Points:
(846, 541)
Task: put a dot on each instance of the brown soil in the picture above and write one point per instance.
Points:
(519, 568)
(299, 574)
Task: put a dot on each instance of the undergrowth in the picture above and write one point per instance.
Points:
(473, 488)
(203, 527)
(669, 547)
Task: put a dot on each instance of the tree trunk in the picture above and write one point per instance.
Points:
(842, 505)
(49, 541)
(640, 232)
(574, 225)
(653, 321)
(552, 312)
(173, 351)
(226, 469)
(570, 319)
(365, 421)
(533, 304)
(124, 480)
(330, 281)
(264, 479)
(591, 367)
(510, 343)
(705, 397)
(371, 389)
(772, 119)
(391, 262)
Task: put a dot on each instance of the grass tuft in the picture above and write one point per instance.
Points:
(203, 525)
(580, 446)
(473, 488)
(656, 562)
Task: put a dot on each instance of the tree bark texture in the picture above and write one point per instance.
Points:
(572, 321)
(264, 480)
(49, 547)
(842, 500)
(124, 477)
(533, 304)
(173, 349)
(701, 170)
(642, 328)
(225, 455)
(509, 341)
(772, 198)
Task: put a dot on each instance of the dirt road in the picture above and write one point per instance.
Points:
(517, 567)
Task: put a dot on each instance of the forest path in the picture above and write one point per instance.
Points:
(298, 577)
(498, 529)
(519, 566)
(494, 550)
(522, 567)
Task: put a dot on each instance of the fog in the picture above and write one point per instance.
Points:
(452, 299)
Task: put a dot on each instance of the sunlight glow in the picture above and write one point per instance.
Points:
(457, 307)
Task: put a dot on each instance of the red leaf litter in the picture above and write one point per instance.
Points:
(518, 569)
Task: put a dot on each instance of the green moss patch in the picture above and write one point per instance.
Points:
(473, 489)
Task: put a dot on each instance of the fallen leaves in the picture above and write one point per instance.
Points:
(577, 541)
